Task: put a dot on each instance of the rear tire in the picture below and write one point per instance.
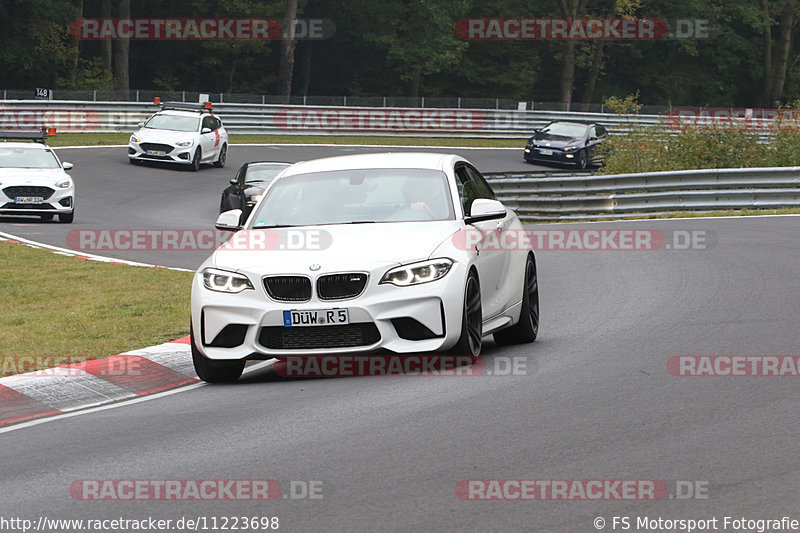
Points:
(66, 218)
(198, 154)
(527, 328)
(223, 156)
(212, 371)
(471, 339)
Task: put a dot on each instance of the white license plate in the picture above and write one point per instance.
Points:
(156, 152)
(546, 152)
(318, 317)
(28, 200)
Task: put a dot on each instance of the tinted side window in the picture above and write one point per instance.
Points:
(208, 122)
(601, 131)
(466, 188)
(484, 189)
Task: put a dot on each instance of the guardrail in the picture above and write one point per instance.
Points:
(537, 196)
(90, 117)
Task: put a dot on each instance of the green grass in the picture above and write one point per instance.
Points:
(56, 305)
(91, 139)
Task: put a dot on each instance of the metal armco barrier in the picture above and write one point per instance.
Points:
(91, 117)
(540, 197)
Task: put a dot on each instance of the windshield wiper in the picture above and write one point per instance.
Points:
(276, 226)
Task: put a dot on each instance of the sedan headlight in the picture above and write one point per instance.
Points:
(417, 273)
(570, 148)
(224, 281)
(184, 143)
(134, 139)
(64, 184)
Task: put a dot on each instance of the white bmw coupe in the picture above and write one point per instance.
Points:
(365, 254)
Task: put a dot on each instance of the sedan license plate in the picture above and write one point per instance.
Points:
(156, 152)
(319, 317)
(28, 200)
(546, 152)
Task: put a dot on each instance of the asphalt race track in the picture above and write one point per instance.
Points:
(113, 194)
(594, 399)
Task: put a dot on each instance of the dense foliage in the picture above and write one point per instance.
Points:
(410, 47)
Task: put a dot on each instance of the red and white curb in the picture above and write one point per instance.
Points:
(96, 382)
(7, 237)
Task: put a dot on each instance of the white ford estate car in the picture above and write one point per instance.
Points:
(185, 134)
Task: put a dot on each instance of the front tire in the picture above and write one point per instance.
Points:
(212, 371)
(583, 160)
(527, 328)
(471, 339)
(66, 218)
(223, 156)
(46, 216)
(198, 154)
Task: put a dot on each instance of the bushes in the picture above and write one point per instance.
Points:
(651, 149)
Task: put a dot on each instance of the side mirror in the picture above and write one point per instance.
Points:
(66, 165)
(205, 130)
(484, 209)
(140, 125)
(229, 220)
(234, 181)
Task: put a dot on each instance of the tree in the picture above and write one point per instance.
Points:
(288, 43)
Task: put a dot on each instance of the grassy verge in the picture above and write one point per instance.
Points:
(92, 139)
(55, 305)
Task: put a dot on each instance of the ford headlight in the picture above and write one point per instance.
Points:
(134, 139)
(224, 281)
(64, 184)
(184, 143)
(417, 273)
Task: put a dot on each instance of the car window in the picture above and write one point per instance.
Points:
(601, 131)
(24, 157)
(261, 174)
(592, 133)
(481, 185)
(208, 122)
(347, 196)
(172, 123)
(467, 188)
(563, 129)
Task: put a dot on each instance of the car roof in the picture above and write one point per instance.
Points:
(181, 113)
(282, 163)
(24, 144)
(424, 160)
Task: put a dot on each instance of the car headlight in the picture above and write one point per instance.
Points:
(64, 184)
(570, 148)
(224, 281)
(416, 273)
(184, 143)
(134, 139)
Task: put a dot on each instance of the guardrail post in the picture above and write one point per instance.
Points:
(344, 100)
(264, 99)
(497, 103)
(459, 102)
(384, 101)
(422, 101)
(94, 95)
(305, 99)
(137, 95)
(183, 96)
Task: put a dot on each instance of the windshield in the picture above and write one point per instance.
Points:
(173, 123)
(564, 130)
(262, 173)
(356, 196)
(23, 157)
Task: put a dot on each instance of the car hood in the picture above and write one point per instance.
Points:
(555, 141)
(31, 176)
(340, 246)
(163, 136)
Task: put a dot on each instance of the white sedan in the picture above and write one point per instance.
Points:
(33, 180)
(186, 134)
(391, 257)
